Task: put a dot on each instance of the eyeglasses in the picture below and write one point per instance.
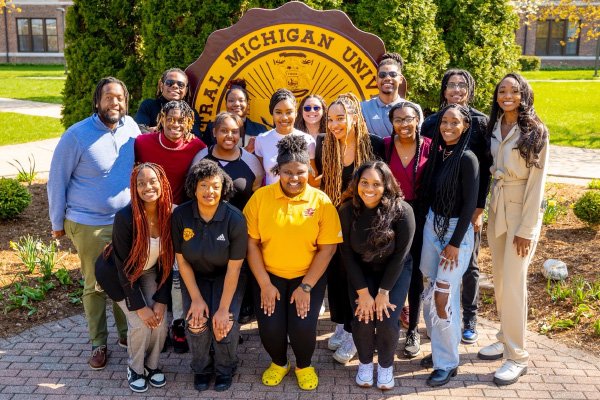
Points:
(313, 108)
(457, 85)
(385, 74)
(171, 82)
(402, 121)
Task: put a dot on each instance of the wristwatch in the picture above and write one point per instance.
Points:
(306, 288)
(384, 292)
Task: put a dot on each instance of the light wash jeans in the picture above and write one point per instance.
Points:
(444, 333)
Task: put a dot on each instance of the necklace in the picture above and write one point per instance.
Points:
(446, 154)
(179, 147)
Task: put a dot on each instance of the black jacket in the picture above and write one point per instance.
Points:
(110, 273)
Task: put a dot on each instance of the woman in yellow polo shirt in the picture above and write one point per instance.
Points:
(293, 232)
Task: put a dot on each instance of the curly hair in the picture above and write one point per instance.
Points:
(98, 92)
(205, 169)
(381, 236)
(444, 197)
(281, 95)
(136, 260)
(533, 133)
(391, 59)
(468, 78)
(392, 147)
(290, 149)
(333, 158)
(163, 78)
(186, 113)
(300, 124)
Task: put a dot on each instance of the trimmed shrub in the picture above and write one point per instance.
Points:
(480, 37)
(530, 63)
(587, 208)
(14, 198)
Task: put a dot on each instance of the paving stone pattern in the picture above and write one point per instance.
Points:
(50, 362)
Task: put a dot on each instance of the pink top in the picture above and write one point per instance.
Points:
(404, 175)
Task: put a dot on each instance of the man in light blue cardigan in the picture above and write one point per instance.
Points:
(88, 184)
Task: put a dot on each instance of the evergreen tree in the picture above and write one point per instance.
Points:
(100, 40)
(480, 37)
(407, 27)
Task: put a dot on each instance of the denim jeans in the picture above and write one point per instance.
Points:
(470, 287)
(225, 359)
(445, 333)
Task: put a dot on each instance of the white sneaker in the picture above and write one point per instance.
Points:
(509, 373)
(364, 376)
(494, 351)
(346, 351)
(385, 377)
(335, 341)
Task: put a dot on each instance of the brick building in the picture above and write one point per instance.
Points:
(34, 35)
(543, 39)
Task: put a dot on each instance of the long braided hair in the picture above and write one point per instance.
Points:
(534, 133)
(186, 113)
(381, 233)
(300, 124)
(163, 78)
(391, 147)
(98, 92)
(333, 158)
(135, 262)
(444, 197)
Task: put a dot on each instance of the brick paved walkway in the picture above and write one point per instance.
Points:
(50, 362)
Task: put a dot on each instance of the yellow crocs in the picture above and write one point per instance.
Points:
(307, 378)
(275, 374)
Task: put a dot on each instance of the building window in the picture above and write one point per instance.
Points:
(37, 35)
(551, 35)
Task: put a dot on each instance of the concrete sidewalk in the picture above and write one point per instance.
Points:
(50, 362)
(30, 107)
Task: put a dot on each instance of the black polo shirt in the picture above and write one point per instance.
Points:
(208, 246)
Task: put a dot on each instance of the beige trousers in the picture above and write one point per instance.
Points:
(510, 277)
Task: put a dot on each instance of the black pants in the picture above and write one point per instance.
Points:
(381, 335)
(416, 281)
(284, 322)
(337, 293)
(225, 358)
(470, 287)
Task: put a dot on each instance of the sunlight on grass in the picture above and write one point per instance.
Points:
(575, 74)
(571, 110)
(32, 82)
(21, 128)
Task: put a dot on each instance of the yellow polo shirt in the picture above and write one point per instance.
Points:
(289, 229)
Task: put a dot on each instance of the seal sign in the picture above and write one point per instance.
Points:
(294, 46)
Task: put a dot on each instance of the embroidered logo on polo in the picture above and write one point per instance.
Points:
(221, 238)
(309, 212)
(188, 234)
(293, 46)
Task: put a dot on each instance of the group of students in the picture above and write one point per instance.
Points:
(397, 217)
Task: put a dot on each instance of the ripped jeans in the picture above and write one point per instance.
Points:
(440, 284)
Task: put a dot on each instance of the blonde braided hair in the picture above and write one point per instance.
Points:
(333, 158)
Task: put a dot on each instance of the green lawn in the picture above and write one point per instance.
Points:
(575, 74)
(21, 128)
(32, 82)
(571, 110)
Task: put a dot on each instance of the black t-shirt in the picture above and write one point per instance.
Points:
(356, 233)
(208, 246)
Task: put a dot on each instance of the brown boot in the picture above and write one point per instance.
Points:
(98, 358)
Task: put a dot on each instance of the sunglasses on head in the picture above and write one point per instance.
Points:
(311, 108)
(391, 74)
(171, 82)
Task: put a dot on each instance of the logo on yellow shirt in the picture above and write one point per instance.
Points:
(309, 212)
(188, 234)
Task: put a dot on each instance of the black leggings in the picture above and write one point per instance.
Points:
(284, 322)
(415, 289)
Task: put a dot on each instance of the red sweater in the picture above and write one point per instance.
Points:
(176, 163)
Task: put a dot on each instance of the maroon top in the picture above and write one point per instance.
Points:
(174, 157)
(404, 175)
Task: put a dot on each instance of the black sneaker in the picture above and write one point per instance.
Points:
(155, 377)
(180, 344)
(412, 346)
(137, 382)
